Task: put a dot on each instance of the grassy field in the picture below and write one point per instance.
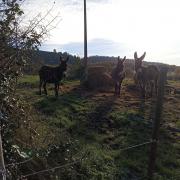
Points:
(99, 127)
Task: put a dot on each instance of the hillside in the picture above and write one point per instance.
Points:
(53, 58)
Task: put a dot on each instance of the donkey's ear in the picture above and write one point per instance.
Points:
(135, 55)
(124, 59)
(143, 56)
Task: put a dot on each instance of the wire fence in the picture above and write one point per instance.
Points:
(71, 163)
(48, 170)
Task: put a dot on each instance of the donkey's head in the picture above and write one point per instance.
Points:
(63, 63)
(120, 64)
(138, 61)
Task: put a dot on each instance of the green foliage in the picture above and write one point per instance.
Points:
(175, 75)
(76, 69)
(16, 45)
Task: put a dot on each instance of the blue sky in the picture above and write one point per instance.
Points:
(115, 27)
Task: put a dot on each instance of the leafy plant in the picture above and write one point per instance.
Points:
(17, 42)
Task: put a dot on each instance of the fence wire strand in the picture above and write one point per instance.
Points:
(72, 163)
(47, 170)
(19, 163)
(137, 145)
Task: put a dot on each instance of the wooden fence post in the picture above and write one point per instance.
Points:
(156, 126)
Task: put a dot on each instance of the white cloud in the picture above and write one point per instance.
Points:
(142, 25)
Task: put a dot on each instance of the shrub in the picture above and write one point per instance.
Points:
(174, 75)
(75, 70)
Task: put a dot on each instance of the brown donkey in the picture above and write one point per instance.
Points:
(118, 75)
(145, 76)
(48, 74)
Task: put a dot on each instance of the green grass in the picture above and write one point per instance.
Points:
(30, 79)
(100, 125)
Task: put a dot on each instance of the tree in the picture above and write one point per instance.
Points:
(17, 42)
(54, 50)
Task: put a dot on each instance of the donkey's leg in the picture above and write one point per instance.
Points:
(151, 88)
(45, 90)
(143, 90)
(40, 85)
(56, 88)
(140, 85)
(119, 87)
(116, 89)
(156, 86)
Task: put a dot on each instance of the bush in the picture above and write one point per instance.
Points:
(75, 70)
(177, 74)
(174, 75)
